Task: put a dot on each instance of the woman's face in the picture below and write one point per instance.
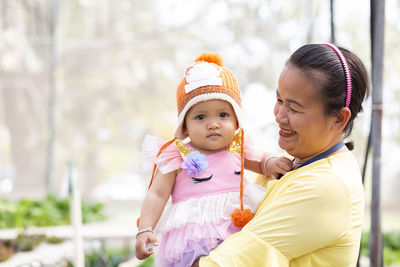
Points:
(305, 130)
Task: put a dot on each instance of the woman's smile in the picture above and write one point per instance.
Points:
(286, 133)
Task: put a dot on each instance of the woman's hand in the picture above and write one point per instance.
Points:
(144, 245)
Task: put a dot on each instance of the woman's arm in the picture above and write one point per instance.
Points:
(298, 217)
(151, 211)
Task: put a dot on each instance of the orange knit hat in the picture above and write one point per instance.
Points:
(204, 80)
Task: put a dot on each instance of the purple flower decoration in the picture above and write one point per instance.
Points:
(194, 163)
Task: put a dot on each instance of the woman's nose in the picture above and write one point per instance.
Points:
(280, 114)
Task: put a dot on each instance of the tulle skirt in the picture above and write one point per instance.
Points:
(190, 229)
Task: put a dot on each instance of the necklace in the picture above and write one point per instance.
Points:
(322, 155)
(297, 162)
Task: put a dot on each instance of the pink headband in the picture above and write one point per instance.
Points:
(346, 71)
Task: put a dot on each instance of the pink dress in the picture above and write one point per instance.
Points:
(198, 217)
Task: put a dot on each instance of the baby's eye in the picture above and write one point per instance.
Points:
(200, 117)
(223, 114)
(293, 110)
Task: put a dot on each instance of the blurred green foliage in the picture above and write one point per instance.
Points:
(24, 242)
(147, 262)
(51, 211)
(110, 257)
(391, 247)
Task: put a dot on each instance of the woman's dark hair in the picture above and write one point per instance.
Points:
(323, 67)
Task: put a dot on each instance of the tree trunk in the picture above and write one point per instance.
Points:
(26, 143)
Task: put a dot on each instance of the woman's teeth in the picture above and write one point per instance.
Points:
(288, 132)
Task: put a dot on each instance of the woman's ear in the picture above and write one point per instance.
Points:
(341, 119)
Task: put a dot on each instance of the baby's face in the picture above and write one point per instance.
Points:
(211, 125)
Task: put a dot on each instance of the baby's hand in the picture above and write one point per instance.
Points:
(278, 166)
(144, 245)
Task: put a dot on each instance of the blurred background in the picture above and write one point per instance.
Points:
(83, 81)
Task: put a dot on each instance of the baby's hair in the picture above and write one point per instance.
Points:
(324, 68)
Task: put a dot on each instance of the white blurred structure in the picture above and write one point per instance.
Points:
(121, 187)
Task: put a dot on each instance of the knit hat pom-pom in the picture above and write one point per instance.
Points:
(211, 58)
(241, 217)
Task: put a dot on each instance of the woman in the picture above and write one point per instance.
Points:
(313, 215)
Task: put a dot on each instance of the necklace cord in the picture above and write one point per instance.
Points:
(321, 155)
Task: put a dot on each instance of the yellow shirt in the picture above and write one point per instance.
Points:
(311, 217)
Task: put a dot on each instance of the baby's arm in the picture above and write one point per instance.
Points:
(275, 167)
(270, 165)
(253, 165)
(152, 208)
